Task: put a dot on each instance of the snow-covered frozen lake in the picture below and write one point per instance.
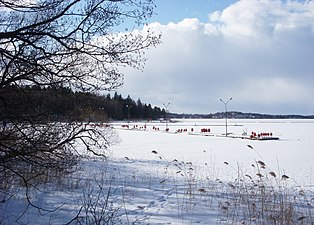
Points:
(292, 154)
(158, 177)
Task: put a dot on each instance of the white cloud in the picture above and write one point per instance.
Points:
(259, 52)
(277, 91)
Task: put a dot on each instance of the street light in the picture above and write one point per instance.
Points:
(128, 107)
(166, 106)
(226, 113)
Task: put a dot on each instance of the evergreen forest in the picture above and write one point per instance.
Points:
(64, 104)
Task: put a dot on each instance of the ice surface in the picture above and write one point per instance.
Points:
(158, 177)
(292, 154)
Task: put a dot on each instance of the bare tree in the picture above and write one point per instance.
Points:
(70, 43)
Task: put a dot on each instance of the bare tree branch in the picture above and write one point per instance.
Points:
(68, 43)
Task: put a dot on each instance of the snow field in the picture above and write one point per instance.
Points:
(293, 154)
(228, 161)
(155, 177)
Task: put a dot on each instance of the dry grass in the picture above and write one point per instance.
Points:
(264, 197)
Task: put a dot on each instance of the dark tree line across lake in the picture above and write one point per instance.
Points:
(64, 104)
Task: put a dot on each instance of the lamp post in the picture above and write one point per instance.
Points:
(128, 107)
(166, 106)
(225, 103)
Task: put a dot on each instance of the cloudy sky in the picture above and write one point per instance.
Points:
(259, 52)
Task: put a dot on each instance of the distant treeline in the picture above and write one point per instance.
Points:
(63, 104)
(238, 115)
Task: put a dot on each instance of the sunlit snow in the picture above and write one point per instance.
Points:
(186, 177)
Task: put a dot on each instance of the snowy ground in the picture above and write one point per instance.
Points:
(158, 177)
(293, 154)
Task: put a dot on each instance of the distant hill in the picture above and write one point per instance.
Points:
(238, 115)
